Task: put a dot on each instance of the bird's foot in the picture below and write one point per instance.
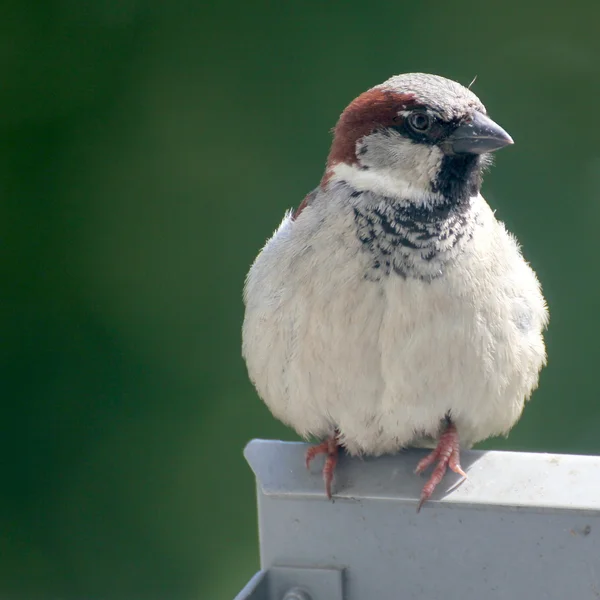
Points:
(446, 454)
(330, 448)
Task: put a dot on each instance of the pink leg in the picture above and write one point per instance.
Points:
(330, 447)
(446, 454)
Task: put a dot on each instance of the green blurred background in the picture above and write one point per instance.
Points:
(147, 150)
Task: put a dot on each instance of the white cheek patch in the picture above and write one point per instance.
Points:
(393, 166)
(383, 182)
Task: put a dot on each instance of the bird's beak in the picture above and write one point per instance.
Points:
(477, 135)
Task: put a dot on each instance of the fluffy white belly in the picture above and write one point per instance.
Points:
(385, 361)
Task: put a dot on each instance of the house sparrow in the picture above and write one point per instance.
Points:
(392, 308)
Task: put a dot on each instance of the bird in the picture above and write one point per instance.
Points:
(391, 308)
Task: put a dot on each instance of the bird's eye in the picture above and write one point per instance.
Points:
(419, 121)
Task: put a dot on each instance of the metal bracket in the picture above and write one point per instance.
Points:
(293, 583)
(521, 526)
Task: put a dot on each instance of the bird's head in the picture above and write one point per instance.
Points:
(418, 137)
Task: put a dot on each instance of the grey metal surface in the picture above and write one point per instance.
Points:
(522, 525)
(294, 583)
(256, 588)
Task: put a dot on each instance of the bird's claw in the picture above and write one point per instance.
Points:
(446, 454)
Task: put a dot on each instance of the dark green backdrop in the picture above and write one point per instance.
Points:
(147, 150)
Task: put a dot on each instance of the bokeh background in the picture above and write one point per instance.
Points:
(147, 150)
